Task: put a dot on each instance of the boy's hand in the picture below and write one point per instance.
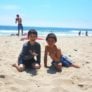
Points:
(34, 54)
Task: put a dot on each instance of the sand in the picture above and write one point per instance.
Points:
(47, 79)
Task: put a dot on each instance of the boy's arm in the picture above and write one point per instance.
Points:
(59, 54)
(23, 52)
(45, 57)
(39, 54)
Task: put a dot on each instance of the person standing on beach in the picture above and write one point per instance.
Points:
(79, 33)
(30, 56)
(18, 20)
(86, 33)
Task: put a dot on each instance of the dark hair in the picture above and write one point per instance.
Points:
(17, 15)
(51, 35)
(32, 31)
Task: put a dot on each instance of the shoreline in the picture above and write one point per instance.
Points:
(63, 33)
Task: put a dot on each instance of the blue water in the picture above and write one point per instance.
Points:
(60, 31)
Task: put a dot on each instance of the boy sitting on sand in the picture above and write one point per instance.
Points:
(58, 59)
(30, 50)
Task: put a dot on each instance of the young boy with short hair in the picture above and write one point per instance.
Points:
(30, 50)
(58, 59)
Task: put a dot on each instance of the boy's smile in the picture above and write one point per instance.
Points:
(32, 38)
(51, 42)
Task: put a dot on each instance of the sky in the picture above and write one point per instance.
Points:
(47, 13)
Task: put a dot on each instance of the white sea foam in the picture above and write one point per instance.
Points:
(45, 32)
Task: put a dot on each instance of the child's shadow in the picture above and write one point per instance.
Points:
(33, 72)
(51, 70)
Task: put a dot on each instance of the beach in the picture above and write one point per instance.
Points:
(79, 49)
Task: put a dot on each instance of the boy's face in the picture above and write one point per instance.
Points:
(32, 37)
(51, 41)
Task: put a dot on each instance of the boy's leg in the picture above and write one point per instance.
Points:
(68, 62)
(18, 32)
(58, 66)
(36, 66)
(76, 66)
(21, 28)
(22, 31)
(20, 67)
(18, 29)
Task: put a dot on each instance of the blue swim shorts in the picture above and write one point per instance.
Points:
(66, 61)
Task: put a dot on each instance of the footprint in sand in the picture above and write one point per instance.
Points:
(62, 81)
(2, 76)
(13, 88)
(81, 85)
(59, 89)
(75, 49)
(87, 62)
(1, 83)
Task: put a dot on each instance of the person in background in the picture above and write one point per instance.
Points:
(79, 33)
(86, 33)
(18, 20)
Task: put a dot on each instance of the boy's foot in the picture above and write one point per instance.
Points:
(76, 66)
(14, 65)
(20, 69)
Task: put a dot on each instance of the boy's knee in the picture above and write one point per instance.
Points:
(59, 67)
(36, 66)
(59, 64)
(21, 68)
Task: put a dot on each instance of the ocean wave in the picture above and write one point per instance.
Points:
(45, 32)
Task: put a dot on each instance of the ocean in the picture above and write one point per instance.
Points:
(43, 31)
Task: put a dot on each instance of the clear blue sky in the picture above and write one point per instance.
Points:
(60, 13)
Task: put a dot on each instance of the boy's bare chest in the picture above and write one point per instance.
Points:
(52, 50)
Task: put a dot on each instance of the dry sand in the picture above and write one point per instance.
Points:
(47, 80)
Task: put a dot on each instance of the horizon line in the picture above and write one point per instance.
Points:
(51, 27)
